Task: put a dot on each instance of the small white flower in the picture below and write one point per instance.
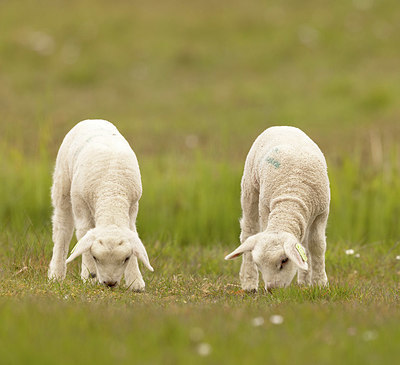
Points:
(276, 319)
(398, 257)
(40, 42)
(257, 321)
(369, 336)
(357, 255)
(204, 349)
(349, 252)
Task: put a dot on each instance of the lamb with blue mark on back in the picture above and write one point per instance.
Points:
(96, 190)
(285, 201)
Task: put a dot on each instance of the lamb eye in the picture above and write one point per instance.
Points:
(283, 262)
(95, 259)
(126, 260)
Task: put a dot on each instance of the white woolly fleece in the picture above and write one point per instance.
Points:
(285, 192)
(103, 169)
(96, 189)
(290, 172)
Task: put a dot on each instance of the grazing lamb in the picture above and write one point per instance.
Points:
(285, 201)
(96, 190)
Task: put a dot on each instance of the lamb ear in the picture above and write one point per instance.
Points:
(140, 251)
(83, 245)
(297, 253)
(246, 246)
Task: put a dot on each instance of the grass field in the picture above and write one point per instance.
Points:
(190, 85)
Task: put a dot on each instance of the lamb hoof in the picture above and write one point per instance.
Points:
(321, 282)
(304, 282)
(137, 286)
(56, 274)
(89, 278)
(250, 288)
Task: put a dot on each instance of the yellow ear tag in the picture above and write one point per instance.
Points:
(301, 251)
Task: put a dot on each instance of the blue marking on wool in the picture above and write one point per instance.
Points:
(274, 162)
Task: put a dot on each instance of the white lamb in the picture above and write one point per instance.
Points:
(96, 190)
(285, 201)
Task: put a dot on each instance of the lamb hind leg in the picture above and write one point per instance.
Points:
(133, 212)
(317, 247)
(250, 226)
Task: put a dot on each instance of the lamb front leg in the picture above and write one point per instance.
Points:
(133, 277)
(63, 228)
(250, 226)
(88, 271)
(304, 276)
(84, 223)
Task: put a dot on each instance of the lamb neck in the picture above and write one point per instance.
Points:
(288, 214)
(112, 210)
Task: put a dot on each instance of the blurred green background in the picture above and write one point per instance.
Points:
(222, 71)
(191, 84)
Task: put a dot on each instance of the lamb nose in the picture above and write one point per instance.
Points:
(110, 284)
